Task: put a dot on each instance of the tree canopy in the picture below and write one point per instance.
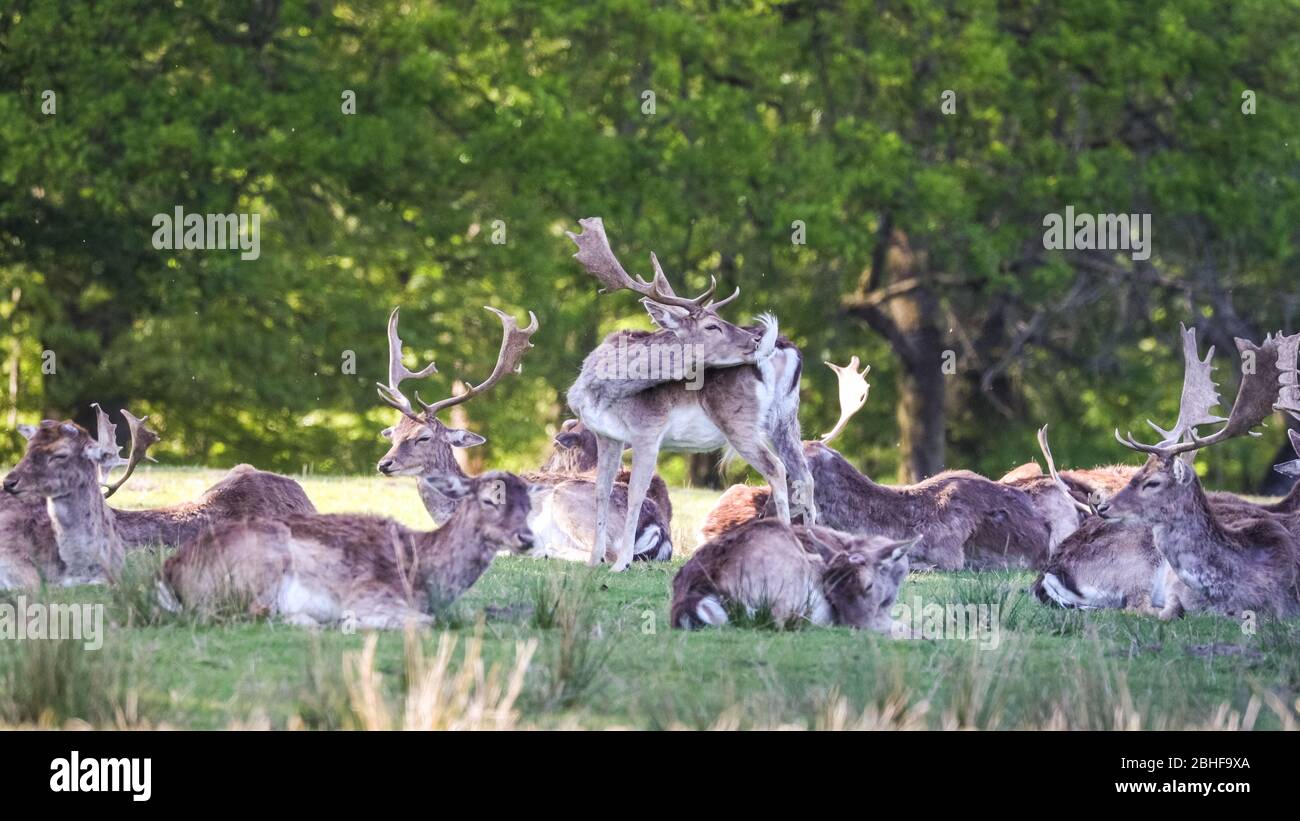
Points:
(876, 174)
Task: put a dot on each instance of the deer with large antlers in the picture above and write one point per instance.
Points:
(1217, 562)
(64, 464)
(421, 443)
(699, 383)
(963, 519)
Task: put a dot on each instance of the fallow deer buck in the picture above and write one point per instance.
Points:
(26, 530)
(310, 570)
(795, 573)
(962, 519)
(422, 446)
(745, 396)
(564, 504)
(421, 443)
(1113, 564)
(1251, 562)
(64, 464)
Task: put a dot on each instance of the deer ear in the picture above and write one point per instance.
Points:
(458, 438)
(1183, 471)
(387, 433)
(667, 317)
(449, 484)
(27, 431)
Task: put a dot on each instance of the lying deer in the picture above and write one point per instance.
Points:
(369, 571)
(563, 510)
(719, 384)
(796, 573)
(1110, 564)
(962, 519)
(564, 504)
(64, 464)
(30, 545)
(1251, 562)
(1067, 498)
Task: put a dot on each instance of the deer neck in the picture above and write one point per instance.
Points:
(441, 508)
(84, 529)
(1196, 545)
(452, 557)
(850, 499)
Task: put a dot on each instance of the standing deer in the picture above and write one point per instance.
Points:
(1250, 562)
(421, 443)
(64, 465)
(746, 396)
(564, 504)
(796, 573)
(367, 570)
(962, 519)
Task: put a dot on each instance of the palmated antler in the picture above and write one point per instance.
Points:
(598, 258)
(1256, 397)
(1200, 395)
(1288, 363)
(1056, 477)
(1291, 468)
(853, 394)
(398, 373)
(106, 437)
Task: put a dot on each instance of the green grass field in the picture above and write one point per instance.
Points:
(604, 656)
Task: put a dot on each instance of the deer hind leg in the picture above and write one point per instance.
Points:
(645, 456)
(609, 458)
(763, 459)
(789, 449)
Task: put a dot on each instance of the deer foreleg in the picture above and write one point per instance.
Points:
(609, 458)
(644, 459)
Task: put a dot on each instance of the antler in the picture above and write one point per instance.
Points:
(1056, 477)
(1200, 394)
(598, 258)
(397, 372)
(106, 436)
(1256, 397)
(514, 344)
(853, 394)
(1288, 354)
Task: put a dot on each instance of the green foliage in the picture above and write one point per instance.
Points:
(532, 114)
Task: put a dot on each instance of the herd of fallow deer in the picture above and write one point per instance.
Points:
(820, 542)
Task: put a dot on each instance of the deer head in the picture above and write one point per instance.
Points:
(62, 458)
(1166, 487)
(574, 449)
(421, 443)
(499, 512)
(863, 581)
(691, 321)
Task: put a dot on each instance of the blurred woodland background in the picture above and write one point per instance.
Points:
(708, 132)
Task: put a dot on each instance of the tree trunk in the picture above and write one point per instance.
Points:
(921, 413)
(702, 470)
(898, 301)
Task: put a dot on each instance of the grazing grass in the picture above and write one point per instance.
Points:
(548, 644)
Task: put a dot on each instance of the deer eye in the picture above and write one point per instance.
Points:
(712, 327)
(426, 437)
(1153, 483)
